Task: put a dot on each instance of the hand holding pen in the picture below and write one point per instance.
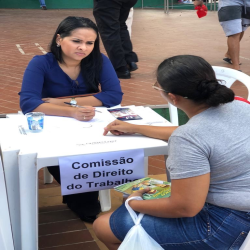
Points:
(78, 106)
(82, 113)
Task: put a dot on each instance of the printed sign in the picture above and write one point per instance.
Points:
(92, 172)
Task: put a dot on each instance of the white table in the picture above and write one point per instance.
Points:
(24, 155)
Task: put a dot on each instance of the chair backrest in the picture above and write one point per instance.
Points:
(229, 76)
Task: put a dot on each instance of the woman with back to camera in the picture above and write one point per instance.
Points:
(74, 66)
(209, 164)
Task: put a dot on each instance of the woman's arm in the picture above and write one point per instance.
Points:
(81, 114)
(111, 93)
(187, 199)
(189, 167)
(82, 101)
(89, 100)
(32, 85)
(118, 127)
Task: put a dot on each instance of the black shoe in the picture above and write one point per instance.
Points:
(123, 74)
(132, 66)
(44, 8)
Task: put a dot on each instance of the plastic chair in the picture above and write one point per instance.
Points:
(229, 76)
(47, 177)
(6, 239)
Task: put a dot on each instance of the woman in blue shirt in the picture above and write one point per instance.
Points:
(74, 66)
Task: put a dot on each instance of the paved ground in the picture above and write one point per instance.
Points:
(156, 36)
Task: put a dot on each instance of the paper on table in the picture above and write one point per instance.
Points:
(67, 136)
(149, 116)
(56, 127)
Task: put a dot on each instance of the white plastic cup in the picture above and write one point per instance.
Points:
(35, 121)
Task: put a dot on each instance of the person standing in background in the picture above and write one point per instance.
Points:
(111, 16)
(43, 4)
(234, 17)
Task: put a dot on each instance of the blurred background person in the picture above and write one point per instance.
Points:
(234, 17)
(43, 4)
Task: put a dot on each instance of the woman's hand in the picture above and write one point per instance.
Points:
(83, 114)
(139, 192)
(118, 127)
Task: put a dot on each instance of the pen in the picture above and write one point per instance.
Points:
(78, 106)
(22, 130)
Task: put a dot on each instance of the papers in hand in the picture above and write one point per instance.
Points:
(158, 188)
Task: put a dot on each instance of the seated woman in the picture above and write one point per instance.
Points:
(209, 164)
(74, 66)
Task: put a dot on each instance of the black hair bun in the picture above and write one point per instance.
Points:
(207, 87)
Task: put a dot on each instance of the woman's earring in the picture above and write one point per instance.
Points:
(58, 45)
